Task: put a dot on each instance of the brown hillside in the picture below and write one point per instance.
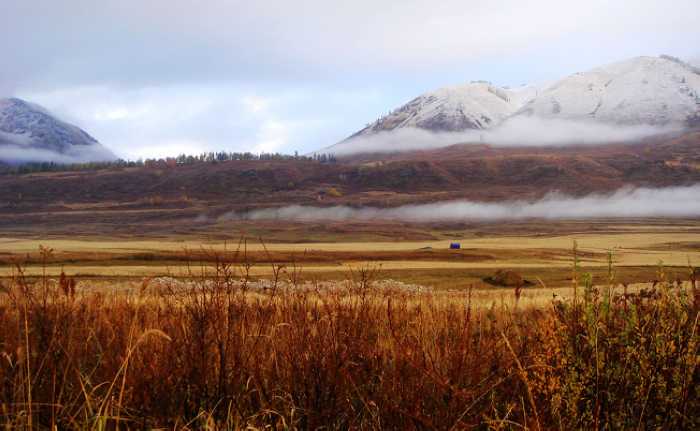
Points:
(462, 171)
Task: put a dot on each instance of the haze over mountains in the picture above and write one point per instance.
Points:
(622, 101)
(29, 133)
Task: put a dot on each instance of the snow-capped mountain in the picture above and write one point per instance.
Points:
(650, 91)
(642, 90)
(29, 132)
(476, 105)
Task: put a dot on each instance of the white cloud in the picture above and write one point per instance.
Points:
(256, 104)
(142, 74)
(162, 40)
(518, 131)
(627, 202)
(695, 61)
(164, 121)
(273, 136)
(20, 154)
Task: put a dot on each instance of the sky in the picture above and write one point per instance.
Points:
(156, 78)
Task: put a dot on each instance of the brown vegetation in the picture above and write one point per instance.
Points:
(214, 352)
(474, 172)
(507, 278)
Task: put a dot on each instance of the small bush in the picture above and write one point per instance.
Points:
(333, 192)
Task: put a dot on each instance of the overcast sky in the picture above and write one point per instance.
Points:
(159, 77)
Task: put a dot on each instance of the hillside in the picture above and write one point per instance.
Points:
(206, 192)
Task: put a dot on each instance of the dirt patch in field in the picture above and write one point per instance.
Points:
(507, 278)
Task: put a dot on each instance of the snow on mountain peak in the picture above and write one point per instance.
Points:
(641, 90)
(28, 132)
(475, 105)
(656, 91)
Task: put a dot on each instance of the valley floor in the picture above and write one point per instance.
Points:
(419, 254)
(534, 325)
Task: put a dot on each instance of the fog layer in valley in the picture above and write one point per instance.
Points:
(518, 131)
(17, 154)
(626, 202)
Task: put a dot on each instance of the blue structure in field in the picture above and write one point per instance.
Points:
(455, 246)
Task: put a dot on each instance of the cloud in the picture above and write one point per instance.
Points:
(164, 61)
(140, 43)
(10, 153)
(518, 131)
(695, 60)
(626, 202)
(165, 121)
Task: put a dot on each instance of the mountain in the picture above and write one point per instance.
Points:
(476, 105)
(29, 133)
(641, 91)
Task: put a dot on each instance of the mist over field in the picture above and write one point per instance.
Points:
(519, 131)
(17, 154)
(626, 202)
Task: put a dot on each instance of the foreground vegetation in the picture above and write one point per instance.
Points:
(222, 352)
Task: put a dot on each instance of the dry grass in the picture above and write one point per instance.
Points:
(423, 262)
(643, 239)
(219, 350)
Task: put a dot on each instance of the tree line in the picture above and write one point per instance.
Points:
(182, 159)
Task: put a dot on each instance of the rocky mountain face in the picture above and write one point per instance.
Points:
(639, 91)
(30, 133)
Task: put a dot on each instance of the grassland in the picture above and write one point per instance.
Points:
(367, 331)
(221, 350)
(540, 251)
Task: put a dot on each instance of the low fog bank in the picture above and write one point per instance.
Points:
(518, 131)
(627, 202)
(14, 154)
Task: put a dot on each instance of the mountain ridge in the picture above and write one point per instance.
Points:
(444, 109)
(641, 91)
(30, 133)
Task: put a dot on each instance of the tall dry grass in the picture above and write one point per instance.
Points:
(216, 351)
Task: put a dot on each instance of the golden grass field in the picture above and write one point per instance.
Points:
(542, 255)
(178, 333)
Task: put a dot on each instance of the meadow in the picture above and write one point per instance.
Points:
(217, 348)
(591, 326)
(413, 253)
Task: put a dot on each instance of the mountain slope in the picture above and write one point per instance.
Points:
(28, 132)
(476, 105)
(641, 90)
(472, 172)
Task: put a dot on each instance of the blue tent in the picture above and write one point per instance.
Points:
(455, 246)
